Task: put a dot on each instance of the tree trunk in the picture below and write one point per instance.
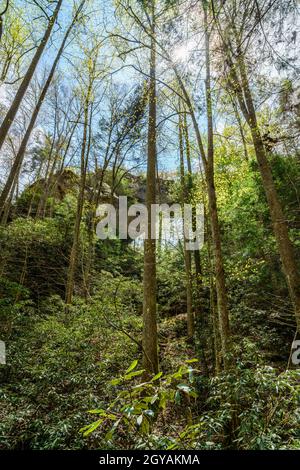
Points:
(150, 346)
(1, 19)
(285, 247)
(208, 163)
(11, 113)
(280, 227)
(80, 203)
(20, 155)
(8, 204)
(240, 124)
(197, 258)
(186, 253)
(222, 300)
(215, 336)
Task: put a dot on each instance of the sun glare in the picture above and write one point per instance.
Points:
(182, 52)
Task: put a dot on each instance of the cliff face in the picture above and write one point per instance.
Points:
(67, 182)
(137, 185)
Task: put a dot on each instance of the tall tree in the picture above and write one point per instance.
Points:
(13, 109)
(215, 226)
(20, 155)
(150, 346)
(88, 90)
(187, 254)
(207, 157)
(235, 52)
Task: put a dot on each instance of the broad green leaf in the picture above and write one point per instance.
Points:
(133, 374)
(92, 427)
(132, 366)
(157, 376)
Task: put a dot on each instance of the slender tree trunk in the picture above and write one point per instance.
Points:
(213, 213)
(186, 253)
(20, 155)
(150, 346)
(90, 225)
(241, 129)
(90, 255)
(197, 258)
(222, 299)
(280, 227)
(80, 203)
(199, 319)
(216, 343)
(8, 204)
(160, 217)
(11, 113)
(1, 19)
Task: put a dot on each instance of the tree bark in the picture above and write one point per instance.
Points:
(285, 247)
(80, 203)
(1, 19)
(149, 341)
(222, 299)
(187, 253)
(11, 113)
(7, 206)
(20, 155)
(208, 163)
(197, 257)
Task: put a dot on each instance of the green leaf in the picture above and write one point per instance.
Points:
(177, 397)
(132, 366)
(157, 376)
(134, 374)
(115, 381)
(145, 427)
(92, 427)
(99, 412)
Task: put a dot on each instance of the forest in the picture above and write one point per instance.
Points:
(149, 225)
